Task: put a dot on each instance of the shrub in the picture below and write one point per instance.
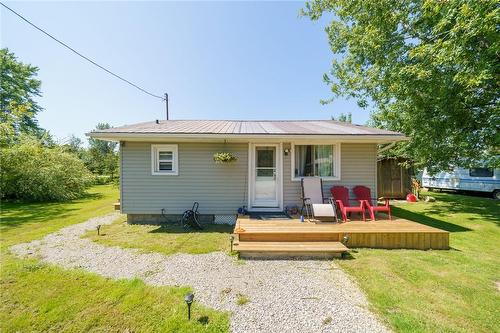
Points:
(31, 172)
(102, 180)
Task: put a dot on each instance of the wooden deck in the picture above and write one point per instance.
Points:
(384, 234)
(284, 249)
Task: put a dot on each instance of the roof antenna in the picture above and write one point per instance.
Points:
(166, 103)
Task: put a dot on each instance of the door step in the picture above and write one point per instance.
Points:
(289, 249)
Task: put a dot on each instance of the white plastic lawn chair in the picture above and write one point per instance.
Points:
(315, 203)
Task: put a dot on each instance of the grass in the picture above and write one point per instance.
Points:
(166, 239)
(438, 291)
(242, 299)
(39, 297)
(24, 222)
(414, 291)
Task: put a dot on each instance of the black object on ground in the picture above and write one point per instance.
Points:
(190, 218)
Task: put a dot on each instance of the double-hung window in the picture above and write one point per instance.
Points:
(316, 161)
(164, 160)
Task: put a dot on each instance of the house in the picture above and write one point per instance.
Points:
(167, 165)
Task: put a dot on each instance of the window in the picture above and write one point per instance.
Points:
(481, 172)
(164, 160)
(316, 161)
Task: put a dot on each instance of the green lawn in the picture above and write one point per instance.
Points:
(414, 291)
(167, 239)
(38, 297)
(438, 291)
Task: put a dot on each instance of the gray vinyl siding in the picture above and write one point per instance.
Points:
(358, 167)
(220, 189)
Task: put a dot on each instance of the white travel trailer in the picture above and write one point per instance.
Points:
(460, 179)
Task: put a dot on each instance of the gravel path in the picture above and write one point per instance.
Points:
(285, 295)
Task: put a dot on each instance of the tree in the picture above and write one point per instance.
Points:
(31, 171)
(103, 147)
(74, 144)
(18, 89)
(429, 69)
(102, 158)
(344, 117)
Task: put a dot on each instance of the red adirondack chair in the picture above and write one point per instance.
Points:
(363, 193)
(341, 196)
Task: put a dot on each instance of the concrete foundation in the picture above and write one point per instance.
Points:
(156, 219)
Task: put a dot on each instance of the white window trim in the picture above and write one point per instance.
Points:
(336, 161)
(155, 150)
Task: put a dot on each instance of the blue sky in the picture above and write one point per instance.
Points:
(217, 60)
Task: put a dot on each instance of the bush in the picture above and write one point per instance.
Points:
(32, 172)
(102, 180)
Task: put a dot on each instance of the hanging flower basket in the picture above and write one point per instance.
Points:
(223, 157)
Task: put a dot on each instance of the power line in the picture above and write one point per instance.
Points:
(82, 56)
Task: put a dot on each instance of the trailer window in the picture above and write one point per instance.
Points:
(481, 172)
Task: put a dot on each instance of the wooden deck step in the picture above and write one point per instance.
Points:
(290, 249)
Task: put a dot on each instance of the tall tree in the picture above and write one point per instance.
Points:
(74, 144)
(101, 146)
(102, 157)
(18, 90)
(344, 117)
(429, 69)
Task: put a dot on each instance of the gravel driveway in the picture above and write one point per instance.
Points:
(284, 295)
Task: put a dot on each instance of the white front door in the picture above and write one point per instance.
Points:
(265, 186)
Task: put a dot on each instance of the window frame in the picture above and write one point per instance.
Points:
(155, 160)
(336, 159)
(492, 172)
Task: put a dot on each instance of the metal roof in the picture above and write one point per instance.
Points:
(247, 128)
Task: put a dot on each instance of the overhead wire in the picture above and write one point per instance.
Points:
(81, 55)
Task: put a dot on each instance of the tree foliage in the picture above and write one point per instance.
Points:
(429, 69)
(30, 171)
(18, 90)
(344, 117)
(102, 158)
(33, 167)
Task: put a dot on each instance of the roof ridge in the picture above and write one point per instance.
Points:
(266, 121)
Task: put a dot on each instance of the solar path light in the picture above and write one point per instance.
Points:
(189, 300)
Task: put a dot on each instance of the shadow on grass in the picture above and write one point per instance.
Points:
(15, 214)
(209, 228)
(347, 256)
(427, 220)
(483, 208)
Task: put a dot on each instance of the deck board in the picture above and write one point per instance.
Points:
(291, 246)
(388, 234)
